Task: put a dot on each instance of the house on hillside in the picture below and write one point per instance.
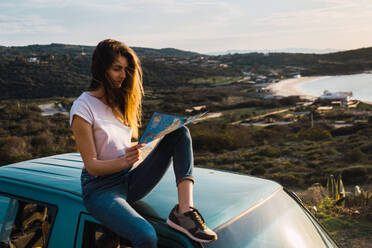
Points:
(336, 96)
(343, 97)
(33, 60)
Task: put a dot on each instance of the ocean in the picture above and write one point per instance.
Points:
(359, 84)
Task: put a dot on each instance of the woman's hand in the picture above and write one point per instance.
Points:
(133, 154)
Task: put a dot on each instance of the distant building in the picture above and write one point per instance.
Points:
(33, 60)
(336, 96)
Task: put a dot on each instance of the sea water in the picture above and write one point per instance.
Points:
(359, 84)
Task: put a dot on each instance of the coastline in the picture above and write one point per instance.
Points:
(287, 87)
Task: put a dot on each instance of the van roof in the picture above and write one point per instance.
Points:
(220, 196)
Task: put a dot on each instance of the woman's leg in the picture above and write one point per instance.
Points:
(110, 207)
(185, 196)
(146, 176)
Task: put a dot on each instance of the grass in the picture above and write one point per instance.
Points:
(276, 152)
(243, 113)
(348, 230)
(214, 81)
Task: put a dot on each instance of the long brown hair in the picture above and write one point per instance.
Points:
(125, 101)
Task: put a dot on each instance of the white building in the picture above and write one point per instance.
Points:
(334, 96)
(32, 60)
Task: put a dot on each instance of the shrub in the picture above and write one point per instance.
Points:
(355, 175)
(42, 140)
(262, 136)
(346, 130)
(212, 142)
(313, 195)
(314, 134)
(258, 171)
(367, 148)
(269, 152)
(268, 164)
(355, 155)
(314, 164)
(33, 127)
(13, 149)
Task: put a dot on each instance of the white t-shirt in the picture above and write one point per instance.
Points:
(111, 136)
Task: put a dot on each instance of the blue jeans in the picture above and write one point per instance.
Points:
(108, 198)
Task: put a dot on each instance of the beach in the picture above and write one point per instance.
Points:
(287, 87)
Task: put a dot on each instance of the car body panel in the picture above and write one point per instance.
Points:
(236, 192)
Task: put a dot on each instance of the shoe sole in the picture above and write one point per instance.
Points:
(183, 230)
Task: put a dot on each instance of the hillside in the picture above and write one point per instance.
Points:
(61, 49)
(41, 71)
(346, 62)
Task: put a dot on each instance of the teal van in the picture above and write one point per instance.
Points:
(41, 206)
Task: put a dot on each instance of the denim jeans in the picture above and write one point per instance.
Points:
(108, 197)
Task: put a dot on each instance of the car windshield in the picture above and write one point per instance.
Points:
(277, 222)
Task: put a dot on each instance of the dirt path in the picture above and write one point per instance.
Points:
(260, 116)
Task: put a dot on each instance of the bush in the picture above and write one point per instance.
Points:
(212, 142)
(269, 152)
(367, 148)
(33, 127)
(263, 136)
(42, 140)
(355, 155)
(314, 134)
(347, 130)
(13, 149)
(268, 164)
(355, 175)
(258, 171)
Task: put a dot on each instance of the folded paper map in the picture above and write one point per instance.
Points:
(159, 126)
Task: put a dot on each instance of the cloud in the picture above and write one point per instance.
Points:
(110, 6)
(339, 14)
(29, 24)
(186, 18)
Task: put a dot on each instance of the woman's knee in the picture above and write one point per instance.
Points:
(146, 238)
(183, 132)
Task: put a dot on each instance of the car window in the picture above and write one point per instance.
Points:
(98, 236)
(277, 222)
(24, 223)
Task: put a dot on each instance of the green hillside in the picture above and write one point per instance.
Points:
(42, 71)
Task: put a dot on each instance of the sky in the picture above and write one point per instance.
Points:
(200, 26)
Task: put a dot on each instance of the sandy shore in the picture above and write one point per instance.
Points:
(287, 87)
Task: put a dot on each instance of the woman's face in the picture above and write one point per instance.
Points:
(117, 71)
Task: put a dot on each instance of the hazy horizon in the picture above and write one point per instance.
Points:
(204, 26)
(263, 50)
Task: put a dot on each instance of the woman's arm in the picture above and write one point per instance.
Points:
(85, 142)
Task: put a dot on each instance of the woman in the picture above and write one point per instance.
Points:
(103, 120)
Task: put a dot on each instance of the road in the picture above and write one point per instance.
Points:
(260, 116)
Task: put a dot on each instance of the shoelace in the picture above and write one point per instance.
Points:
(199, 218)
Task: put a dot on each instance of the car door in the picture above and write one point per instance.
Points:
(25, 222)
(91, 234)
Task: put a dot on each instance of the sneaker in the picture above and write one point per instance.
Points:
(192, 224)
